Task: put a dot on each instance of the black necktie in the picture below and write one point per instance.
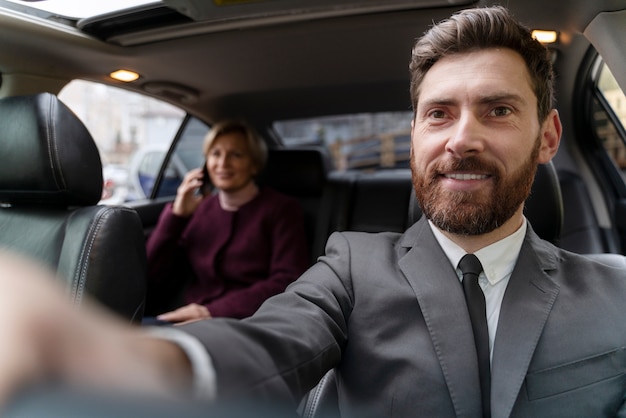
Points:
(470, 267)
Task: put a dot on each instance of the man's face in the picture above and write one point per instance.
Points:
(476, 141)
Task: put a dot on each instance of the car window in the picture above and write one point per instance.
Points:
(363, 141)
(186, 155)
(609, 118)
(133, 133)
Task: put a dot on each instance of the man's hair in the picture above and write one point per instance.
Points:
(484, 28)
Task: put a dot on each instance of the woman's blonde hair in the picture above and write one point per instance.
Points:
(256, 145)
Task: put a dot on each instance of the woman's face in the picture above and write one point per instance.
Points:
(229, 162)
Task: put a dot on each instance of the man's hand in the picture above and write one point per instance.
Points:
(43, 337)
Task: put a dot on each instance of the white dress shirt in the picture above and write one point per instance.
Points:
(498, 260)
(204, 378)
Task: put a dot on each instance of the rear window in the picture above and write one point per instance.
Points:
(363, 141)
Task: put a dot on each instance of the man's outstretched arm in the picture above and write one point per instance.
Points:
(44, 338)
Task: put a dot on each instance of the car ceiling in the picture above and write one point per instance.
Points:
(263, 65)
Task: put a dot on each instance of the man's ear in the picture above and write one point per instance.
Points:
(551, 131)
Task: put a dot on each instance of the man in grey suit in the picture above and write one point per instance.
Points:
(388, 311)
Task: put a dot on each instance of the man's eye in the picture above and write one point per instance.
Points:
(501, 111)
(437, 114)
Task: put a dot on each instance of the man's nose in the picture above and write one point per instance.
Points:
(467, 137)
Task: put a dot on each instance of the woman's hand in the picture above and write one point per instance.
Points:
(187, 313)
(187, 200)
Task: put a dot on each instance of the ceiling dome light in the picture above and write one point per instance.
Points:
(124, 75)
(545, 36)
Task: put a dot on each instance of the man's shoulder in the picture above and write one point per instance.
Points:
(384, 237)
(363, 245)
(418, 232)
(601, 261)
(596, 268)
(617, 261)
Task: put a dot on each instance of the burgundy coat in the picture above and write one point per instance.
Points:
(239, 259)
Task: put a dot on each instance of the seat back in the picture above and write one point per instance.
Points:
(543, 208)
(370, 202)
(302, 173)
(50, 184)
(322, 401)
(581, 229)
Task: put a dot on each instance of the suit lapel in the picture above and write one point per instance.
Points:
(440, 297)
(527, 302)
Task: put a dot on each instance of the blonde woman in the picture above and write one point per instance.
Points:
(243, 243)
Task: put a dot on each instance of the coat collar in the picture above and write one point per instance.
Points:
(527, 302)
(441, 300)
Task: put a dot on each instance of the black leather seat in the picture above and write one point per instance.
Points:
(581, 229)
(302, 173)
(50, 184)
(370, 202)
(322, 400)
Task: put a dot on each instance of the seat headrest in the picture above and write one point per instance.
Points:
(543, 208)
(297, 171)
(48, 156)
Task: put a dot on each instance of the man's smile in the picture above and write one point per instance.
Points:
(465, 176)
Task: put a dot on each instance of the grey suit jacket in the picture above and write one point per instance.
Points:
(387, 311)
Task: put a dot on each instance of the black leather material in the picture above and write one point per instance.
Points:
(370, 202)
(581, 230)
(322, 400)
(298, 172)
(303, 174)
(543, 208)
(47, 154)
(50, 179)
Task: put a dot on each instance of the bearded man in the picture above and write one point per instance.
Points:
(467, 314)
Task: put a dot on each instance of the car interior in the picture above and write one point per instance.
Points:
(324, 82)
(51, 210)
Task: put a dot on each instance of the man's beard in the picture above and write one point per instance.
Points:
(473, 213)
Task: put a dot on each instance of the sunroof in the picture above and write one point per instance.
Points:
(73, 9)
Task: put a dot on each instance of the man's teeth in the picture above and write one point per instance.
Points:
(459, 176)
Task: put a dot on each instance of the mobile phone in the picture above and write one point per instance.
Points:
(207, 187)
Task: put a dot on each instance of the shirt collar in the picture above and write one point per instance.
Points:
(498, 259)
